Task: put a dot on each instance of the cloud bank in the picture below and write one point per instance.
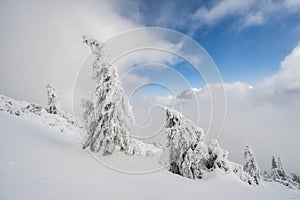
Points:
(265, 116)
(41, 43)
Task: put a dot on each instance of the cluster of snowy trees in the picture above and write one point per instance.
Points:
(108, 117)
(278, 174)
(190, 157)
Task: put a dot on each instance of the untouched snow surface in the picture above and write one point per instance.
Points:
(39, 162)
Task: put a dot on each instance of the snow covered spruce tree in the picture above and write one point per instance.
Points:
(108, 116)
(53, 100)
(250, 165)
(187, 152)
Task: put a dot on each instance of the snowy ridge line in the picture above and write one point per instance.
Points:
(108, 116)
(61, 121)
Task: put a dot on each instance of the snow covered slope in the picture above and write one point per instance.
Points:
(39, 162)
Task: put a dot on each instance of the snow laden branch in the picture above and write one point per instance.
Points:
(108, 115)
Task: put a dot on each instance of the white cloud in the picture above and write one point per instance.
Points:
(221, 10)
(293, 5)
(287, 79)
(131, 81)
(265, 116)
(145, 56)
(254, 19)
(43, 44)
(248, 12)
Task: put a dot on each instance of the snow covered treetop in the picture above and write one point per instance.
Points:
(95, 45)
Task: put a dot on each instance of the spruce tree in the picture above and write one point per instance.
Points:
(53, 100)
(108, 115)
(250, 165)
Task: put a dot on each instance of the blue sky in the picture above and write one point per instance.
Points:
(246, 39)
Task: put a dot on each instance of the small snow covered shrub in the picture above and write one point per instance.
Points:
(266, 176)
(241, 174)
